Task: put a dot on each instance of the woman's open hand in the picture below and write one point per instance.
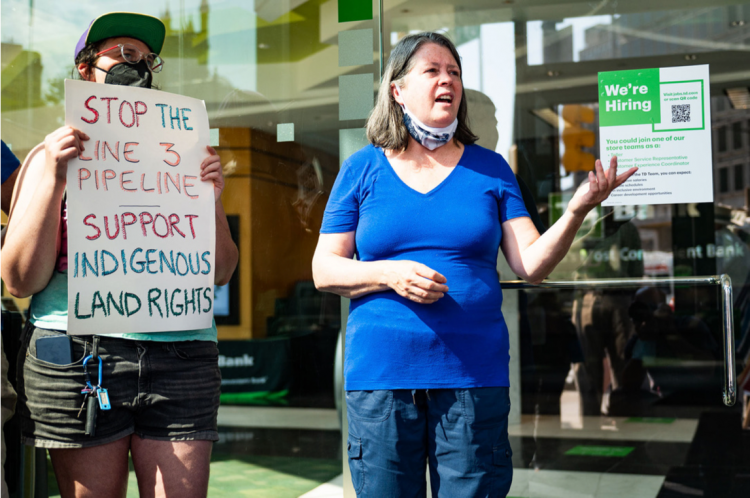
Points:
(61, 146)
(211, 171)
(415, 281)
(598, 188)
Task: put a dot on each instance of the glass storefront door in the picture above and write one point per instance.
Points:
(616, 389)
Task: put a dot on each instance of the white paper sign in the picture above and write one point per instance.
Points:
(141, 228)
(659, 120)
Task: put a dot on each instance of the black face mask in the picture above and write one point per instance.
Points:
(128, 74)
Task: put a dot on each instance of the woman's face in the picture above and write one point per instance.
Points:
(432, 89)
(111, 58)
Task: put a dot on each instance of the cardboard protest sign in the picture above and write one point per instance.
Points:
(141, 226)
(659, 120)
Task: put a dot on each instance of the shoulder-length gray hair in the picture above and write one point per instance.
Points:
(385, 125)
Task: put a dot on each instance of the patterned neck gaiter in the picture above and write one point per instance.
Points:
(429, 137)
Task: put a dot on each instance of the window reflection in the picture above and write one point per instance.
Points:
(595, 361)
(637, 34)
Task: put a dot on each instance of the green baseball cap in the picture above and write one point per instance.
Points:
(148, 29)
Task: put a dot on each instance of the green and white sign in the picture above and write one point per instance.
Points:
(659, 120)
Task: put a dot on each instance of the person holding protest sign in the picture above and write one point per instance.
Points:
(425, 211)
(163, 388)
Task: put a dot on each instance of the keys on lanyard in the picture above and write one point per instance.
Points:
(95, 394)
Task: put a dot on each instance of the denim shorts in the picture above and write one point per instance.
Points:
(167, 391)
(462, 434)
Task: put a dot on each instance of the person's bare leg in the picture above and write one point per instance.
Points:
(171, 468)
(92, 472)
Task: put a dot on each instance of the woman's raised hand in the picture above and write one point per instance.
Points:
(415, 281)
(61, 146)
(598, 188)
(211, 171)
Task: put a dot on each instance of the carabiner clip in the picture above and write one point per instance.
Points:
(86, 372)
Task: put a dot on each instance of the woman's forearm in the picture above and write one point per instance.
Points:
(30, 249)
(534, 257)
(348, 277)
(543, 255)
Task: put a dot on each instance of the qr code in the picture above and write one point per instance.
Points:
(681, 113)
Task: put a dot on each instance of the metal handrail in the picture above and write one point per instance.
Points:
(730, 372)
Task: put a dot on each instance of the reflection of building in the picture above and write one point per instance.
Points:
(601, 42)
(666, 32)
(21, 78)
(185, 41)
(188, 49)
(731, 153)
(651, 34)
(558, 44)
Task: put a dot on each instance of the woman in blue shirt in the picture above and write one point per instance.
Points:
(424, 211)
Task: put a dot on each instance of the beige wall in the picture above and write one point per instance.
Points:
(278, 222)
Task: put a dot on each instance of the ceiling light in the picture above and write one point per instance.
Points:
(548, 116)
(739, 97)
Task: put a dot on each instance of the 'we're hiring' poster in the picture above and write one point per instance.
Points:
(659, 120)
(141, 227)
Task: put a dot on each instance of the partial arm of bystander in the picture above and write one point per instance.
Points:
(31, 248)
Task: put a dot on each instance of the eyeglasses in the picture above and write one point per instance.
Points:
(132, 55)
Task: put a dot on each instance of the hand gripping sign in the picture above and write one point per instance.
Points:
(141, 228)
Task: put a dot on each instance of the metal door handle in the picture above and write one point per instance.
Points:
(730, 373)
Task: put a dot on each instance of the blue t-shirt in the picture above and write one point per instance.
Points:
(461, 340)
